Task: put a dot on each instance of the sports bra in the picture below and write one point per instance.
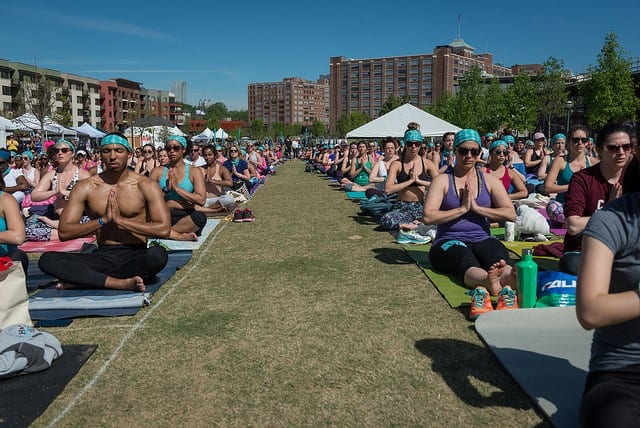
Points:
(185, 184)
(54, 181)
(506, 179)
(403, 176)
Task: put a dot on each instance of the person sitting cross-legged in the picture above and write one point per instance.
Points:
(125, 208)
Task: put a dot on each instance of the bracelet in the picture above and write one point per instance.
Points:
(101, 221)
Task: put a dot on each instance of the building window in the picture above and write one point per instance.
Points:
(79, 100)
(6, 107)
(80, 112)
(5, 74)
(6, 90)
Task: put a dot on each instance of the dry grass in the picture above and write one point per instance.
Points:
(308, 316)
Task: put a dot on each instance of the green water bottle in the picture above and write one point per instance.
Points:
(527, 280)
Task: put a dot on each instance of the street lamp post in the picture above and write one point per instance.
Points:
(569, 106)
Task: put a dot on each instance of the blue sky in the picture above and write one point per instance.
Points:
(218, 47)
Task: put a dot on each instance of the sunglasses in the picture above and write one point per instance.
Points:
(25, 158)
(195, 150)
(61, 150)
(147, 152)
(233, 151)
(614, 148)
(412, 143)
(173, 148)
(463, 151)
(500, 152)
(577, 140)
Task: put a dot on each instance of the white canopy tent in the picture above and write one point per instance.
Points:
(394, 124)
(206, 136)
(89, 131)
(29, 122)
(150, 135)
(221, 135)
(5, 125)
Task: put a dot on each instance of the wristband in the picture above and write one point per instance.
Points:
(101, 221)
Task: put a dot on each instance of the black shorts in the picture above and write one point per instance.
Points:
(456, 257)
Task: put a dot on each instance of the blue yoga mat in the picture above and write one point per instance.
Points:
(52, 304)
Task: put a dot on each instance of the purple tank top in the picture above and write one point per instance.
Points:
(471, 227)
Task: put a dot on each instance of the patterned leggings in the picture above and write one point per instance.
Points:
(404, 212)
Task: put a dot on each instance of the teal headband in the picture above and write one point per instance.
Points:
(178, 138)
(489, 134)
(69, 143)
(560, 136)
(115, 139)
(28, 154)
(509, 139)
(412, 135)
(466, 135)
(497, 143)
(431, 145)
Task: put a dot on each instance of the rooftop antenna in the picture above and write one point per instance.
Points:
(459, 25)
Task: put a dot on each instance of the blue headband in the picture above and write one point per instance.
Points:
(68, 143)
(5, 154)
(28, 154)
(178, 138)
(558, 137)
(412, 135)
(115, 139)
(489, 134)
(509, 139)
(466, 135)
(497, 143)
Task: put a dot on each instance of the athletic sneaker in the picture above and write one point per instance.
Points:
(238, 216)
(412, 237)
(480, 302)
(507, 299)
(247, 215)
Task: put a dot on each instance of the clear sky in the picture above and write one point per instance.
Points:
(219, 46)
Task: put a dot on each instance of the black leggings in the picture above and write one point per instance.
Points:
(91, 269)
(611, 398)
(456, 257)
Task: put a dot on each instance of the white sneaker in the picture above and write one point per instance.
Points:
(412, 237)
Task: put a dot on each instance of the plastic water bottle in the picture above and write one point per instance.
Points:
(527, 279)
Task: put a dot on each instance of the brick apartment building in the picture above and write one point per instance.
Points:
(292, 101)
(364, 84)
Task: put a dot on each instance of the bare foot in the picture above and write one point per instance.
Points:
(183, 236)
(508, 277)
(135, 283)
(494, 274)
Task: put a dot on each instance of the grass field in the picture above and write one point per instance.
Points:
(308, 316)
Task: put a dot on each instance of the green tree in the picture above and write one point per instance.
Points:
(609, 92)
(278, 130)
(494, 112)
(318, 129)
(257, 128)
(349, 122)
(392, 102)
(38, 95)
(446, 108)
(521, 104)
(551, 91)
(213, 123)
(471, 99)
(217, 111)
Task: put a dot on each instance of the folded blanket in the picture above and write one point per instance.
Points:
(555, 249)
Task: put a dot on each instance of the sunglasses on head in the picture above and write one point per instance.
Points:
(61, 150)
(615, 148)
(583, 140)
(463, 151)
(173, 148)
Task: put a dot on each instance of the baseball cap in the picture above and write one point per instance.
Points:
(539, 136)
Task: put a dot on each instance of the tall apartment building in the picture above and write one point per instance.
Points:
(164, 104)
(122, 103)
(364, 84)
(292, 101)
(179, 88)
(76, 97)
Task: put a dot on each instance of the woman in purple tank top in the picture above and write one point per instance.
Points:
(462, 203)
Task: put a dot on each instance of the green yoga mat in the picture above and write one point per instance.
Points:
(449, 285)
(356, 195)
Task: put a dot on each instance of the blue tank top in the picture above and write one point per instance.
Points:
(5, 249)
(471, 227)
(564, 177)
(185, 185)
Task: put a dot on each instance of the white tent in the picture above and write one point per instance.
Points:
(5, 125)
(150, 134)
(221, 135)
(394, 124)
(206, 135)
(89, 131)
(29, 122)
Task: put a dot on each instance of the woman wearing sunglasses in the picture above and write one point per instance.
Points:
(56, 183)
(238, 167)
(592, 188)
(183, 187)
(462, 203)
(511, 180)
(147, 161)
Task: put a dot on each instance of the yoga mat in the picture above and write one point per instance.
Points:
(65, 246)
(189, 245)
(52, 304)
(24, 398)
(547, 353)
(356, 195)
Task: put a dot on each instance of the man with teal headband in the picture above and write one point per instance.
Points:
(125, 208)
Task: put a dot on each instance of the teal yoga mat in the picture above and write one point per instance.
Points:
(356, 195)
